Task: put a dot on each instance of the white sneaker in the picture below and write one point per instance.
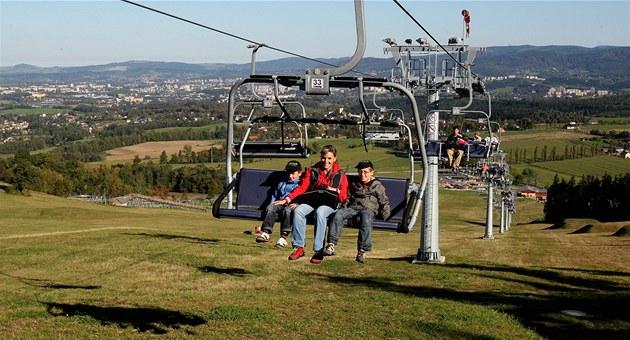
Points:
(282, 242)
(263, 237)
(330, 249)
(361, 256)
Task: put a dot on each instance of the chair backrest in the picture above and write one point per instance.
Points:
(477, 150)
(396, 189)
(256, 186)
(435, 148)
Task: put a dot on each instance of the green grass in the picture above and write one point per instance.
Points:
(38, 111)
(71, 269)
(592, 166)
(610, 127)
(607, 124)
(211, 127)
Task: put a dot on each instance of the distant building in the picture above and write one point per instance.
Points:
(120, 201)
(572, 126)
(533, 192)
(618, 151)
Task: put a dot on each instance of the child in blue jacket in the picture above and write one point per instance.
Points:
(285, 187)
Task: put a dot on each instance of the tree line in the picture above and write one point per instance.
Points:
(546, 154)
(603, 199)
(48, 173)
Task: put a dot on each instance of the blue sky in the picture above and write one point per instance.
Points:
(78, 33)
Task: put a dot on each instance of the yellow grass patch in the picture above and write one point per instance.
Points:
(154, 149)
(544, 135)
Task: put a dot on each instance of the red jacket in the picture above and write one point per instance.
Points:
(306, 185)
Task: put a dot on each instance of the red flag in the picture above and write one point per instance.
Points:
(466, 15)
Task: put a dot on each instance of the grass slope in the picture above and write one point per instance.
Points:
(78, 270)
(593, 166)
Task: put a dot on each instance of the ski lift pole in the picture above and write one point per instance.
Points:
(317, 81)
(366, 116)
(503, 216)
(457, 110)
(253, 68)
(230, 138)
(429, 250)
(285, 113)
(488, 234)
(423, 152)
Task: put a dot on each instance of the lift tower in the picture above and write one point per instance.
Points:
(431, 70)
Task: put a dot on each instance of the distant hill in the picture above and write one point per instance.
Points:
(603, 67)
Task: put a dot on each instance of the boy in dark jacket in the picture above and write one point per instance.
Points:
(367, 198)
(284, 188)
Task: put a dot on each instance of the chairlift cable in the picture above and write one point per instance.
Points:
(233, 35)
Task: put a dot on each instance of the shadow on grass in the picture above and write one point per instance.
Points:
(559, 225)
(228, 271)
(155, 320)
(556, 280)
(179, 237)
(537, 305)
(594, 272)
(483, 224)
(49, 284)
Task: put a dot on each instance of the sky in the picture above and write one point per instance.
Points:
(80, 33)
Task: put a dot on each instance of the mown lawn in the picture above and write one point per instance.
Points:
(37, 111)
(591, 166)
(71, 269)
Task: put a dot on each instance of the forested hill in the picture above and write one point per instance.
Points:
(604, 67)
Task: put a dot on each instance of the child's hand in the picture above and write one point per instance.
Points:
(280, 202)
(293, 205)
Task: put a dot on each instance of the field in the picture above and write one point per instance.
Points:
(72, 269)
(39, 111)
(350, 151)
(608, 124)
(154, 149)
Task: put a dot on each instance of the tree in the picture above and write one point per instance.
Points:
(163, 157)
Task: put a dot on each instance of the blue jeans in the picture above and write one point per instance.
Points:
(284, 211)
(366, 220)
(320, 217)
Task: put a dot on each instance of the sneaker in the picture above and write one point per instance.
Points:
(296, 254)
(282, 242)
(318, 257)
(361, 256)
(263, 237)
(329, 250)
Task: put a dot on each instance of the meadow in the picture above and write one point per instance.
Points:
(73, 269)
(38, 111)
(350, 151)
(153, 150)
